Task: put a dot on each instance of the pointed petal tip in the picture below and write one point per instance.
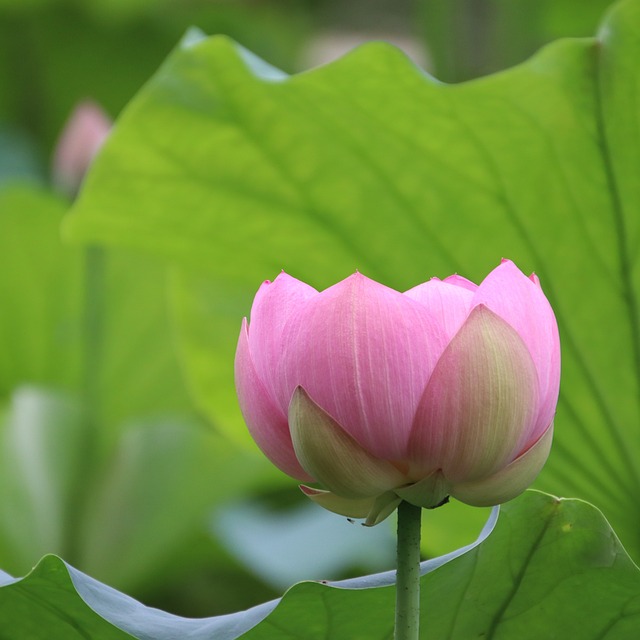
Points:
(359, 278)
(509, 269)
(506, 263)
(460, 281)
(284, 278)
(351, 508)
(282, 275)
(311, 491)
(384, 505)
(509, 482)
(329, 454)
(428, 493)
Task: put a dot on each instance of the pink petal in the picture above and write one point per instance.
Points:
(274, 303)
(459, 281)
(267, 423)
(448, 302)
(364, 353)
(479, 406)
(519, 300)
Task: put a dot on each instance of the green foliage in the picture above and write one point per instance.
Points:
(45, 331)
(101, 458)
(59, 612)
(528, 576)
(229, 168)
(470, 38)
(18, 158)
(40, 441)
(55, 53)
(41, 291)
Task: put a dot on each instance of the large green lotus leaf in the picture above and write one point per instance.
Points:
(45, 605)
(550, 567)
(227, 166)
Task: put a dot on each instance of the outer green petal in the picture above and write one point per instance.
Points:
(383, 506)
(349, 507)
(428, 492)
(333, 457)
(510, 481)
(480, 405)
(373, 510)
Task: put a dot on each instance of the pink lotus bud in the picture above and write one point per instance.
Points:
(448, 389)
(81, 138)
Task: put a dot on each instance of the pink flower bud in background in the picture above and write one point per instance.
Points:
(448, 389)
(82, 136)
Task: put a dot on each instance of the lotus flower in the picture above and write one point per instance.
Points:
(84, 133)
(377, 396)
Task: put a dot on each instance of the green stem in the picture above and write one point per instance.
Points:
(408, 575)
(89, 444)
(95, 266)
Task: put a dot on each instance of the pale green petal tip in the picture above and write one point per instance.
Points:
(349, 507)
(330, 455)
(509, 482)
(428, 493)
(383, 506)
(372, 510)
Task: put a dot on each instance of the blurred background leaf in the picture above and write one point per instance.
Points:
(39, 447)
(54, 53)
(103, 458)
(260, 538)
(43, 328)
(471, 38)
